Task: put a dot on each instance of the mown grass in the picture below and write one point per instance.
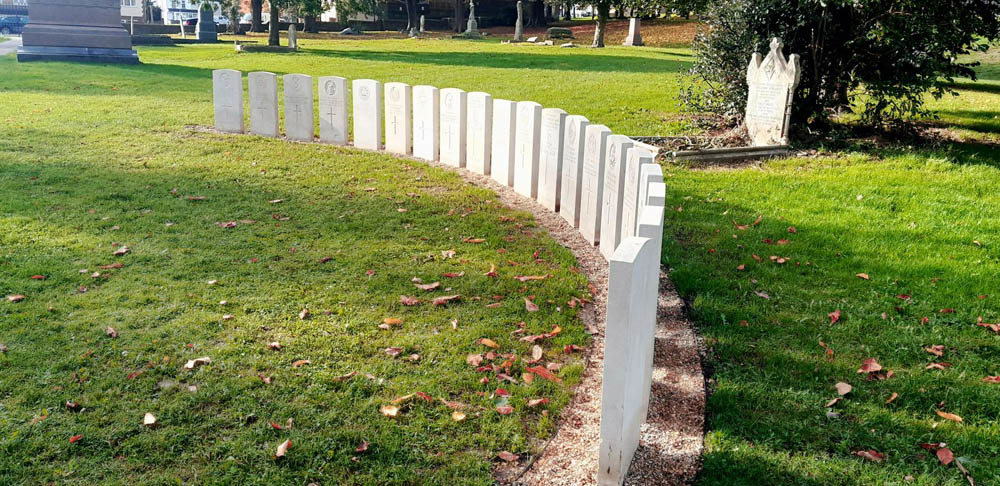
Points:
(94, 157)
(113, 140)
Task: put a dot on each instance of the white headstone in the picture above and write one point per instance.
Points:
(648, 174)
(227, 91)
(263, 103)
(299, 119)
(637, 159)
(634, 37)
(398, 118)
(650, 225)
(425, 122)
(572, 169)
(453, 125)
(550, 158)
(504, 128)
(367, 114)
(631, 312)
(333, 110)
(526, 148)
(657, 195)
(592, 187)
(480, 133)
(614, 192)
(772, 81)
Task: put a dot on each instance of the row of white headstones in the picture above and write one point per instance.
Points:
(607, 186)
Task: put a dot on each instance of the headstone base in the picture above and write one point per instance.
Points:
(77, 54)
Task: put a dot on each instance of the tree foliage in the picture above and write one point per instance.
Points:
(879, 57)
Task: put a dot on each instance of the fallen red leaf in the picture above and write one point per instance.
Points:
(869, 365)
(530, 306)
(407, 300)
(444, 300)
(834, 316)
(72, 440)
(430, 286)
(870, 455)
(945, 455)
(544, 373)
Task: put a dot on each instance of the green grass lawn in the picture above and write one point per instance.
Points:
(89, 157)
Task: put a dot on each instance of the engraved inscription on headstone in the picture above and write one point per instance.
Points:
(367, 114)
(772, 81)
(263, 103)
(398, 119)
(480, 133)
(425, 122)
(299, 119)
(453, 126)
(227, 90)
(504, 128)
(333, 110)
(614, 192)
(572, 170)
(592, 187)
(634, 163)
(550, 158)
(526, 148)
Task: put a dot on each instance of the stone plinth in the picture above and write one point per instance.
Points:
(83, 30)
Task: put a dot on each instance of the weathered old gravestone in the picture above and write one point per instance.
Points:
(89, 30)
(592, 188)
(207, 31)
(472, 27)
(614, 192)
(263, 103)
(293, 36)
(637, 158)
(550, 158)
(634, 37)
(772, 81)
(299, 120)
(480, 132)
(453, 125)
(425, 122)
(422, 23)
(398, 118)
(367, 114)
(333, 110)
(631, 320)
(502, 153)
(519, 24)
(227, 93)
(572, 170)
(529, 125)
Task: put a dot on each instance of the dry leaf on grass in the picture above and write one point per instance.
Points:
(507, 456)
(194, 363)
(843, 388)
(390, 411)
(149, 420)
(870, 455)
(949, 416)
(283, 449)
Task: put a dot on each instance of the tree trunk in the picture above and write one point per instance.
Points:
(256, 8)
(459, 16)
(568, 14)
(603, 11)
(273, 25)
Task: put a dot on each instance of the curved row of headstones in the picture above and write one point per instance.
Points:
(607, 186)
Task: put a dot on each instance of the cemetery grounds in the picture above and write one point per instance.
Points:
(795, 271)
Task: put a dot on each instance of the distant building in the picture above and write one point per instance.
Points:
(174, 11)
(13, 7)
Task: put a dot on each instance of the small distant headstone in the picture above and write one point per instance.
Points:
(772, 81)
(532, 39)
(504, 130)
(453, 126)
(614, 193)
(348, 31)
(426, 116)
(635, 161)
(526, 148)
(206, 26)
(479, 143)
(572, 170)
(472, 27)
(519, 25)
(367, 113)
(227, 91)
(592, 188)
(333, 110)
(568, 44)
(293, 37)
(398, 118)
(299, 120)
(550, 158)
(634, 37)
(422, 24)
(548, 43)
(559, 33)
(263, 103)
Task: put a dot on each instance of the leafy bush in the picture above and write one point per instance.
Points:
(878, 57)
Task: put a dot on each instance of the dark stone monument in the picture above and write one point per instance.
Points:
(78, 30)
(207, 31)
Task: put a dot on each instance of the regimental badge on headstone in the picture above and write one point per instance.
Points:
(772, 81)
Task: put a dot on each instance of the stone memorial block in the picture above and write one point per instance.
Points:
(263, 103)
(333, 110)
(398, 118)
(80, 30)
(206, 29)
(614, 193)
(480, 132)
(453, 125)
(631, 314)
(657, 195)
(650, 225)
(227, 91)
(637, 159)
(550, 158)
(367, 114)
(502, 153)
(526, 148)
(572, 170)
(425, 122)
(634, 37)
(299, 119)
(648, 174)
(772, 81)
(592, 186)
